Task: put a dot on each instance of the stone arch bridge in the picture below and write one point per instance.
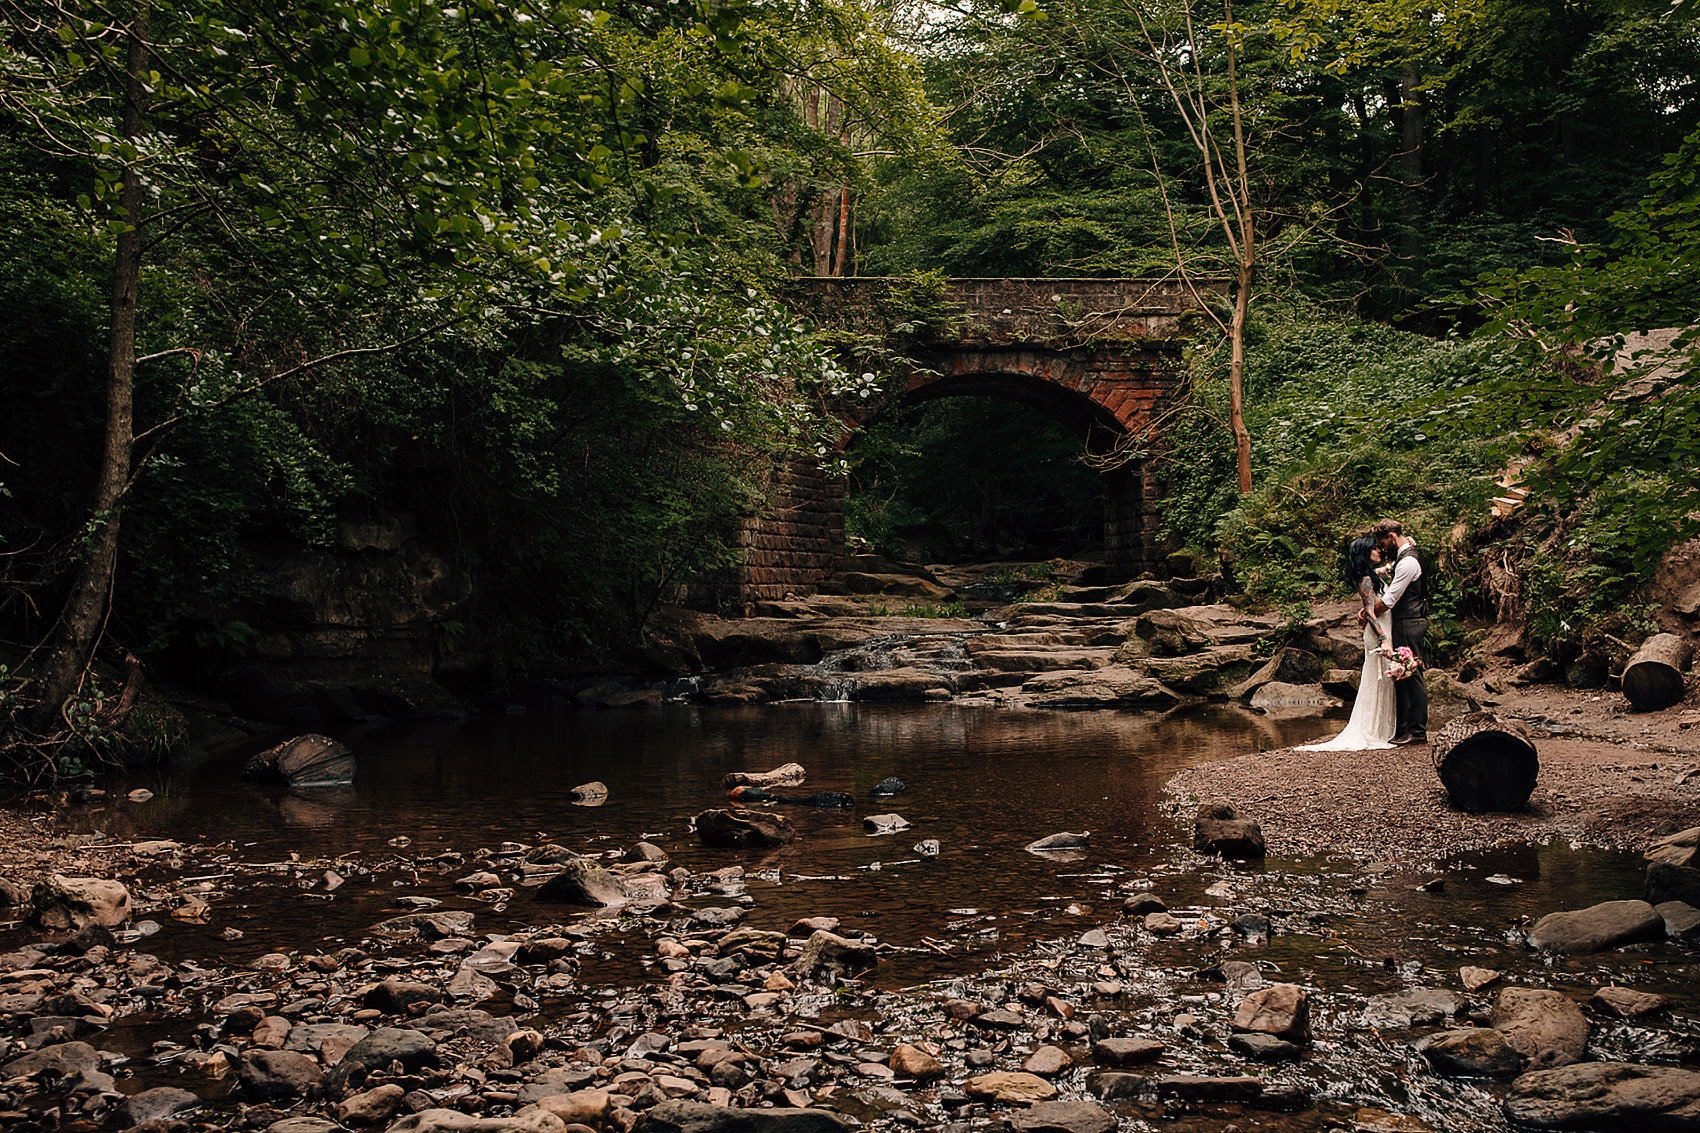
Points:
(1100, 356)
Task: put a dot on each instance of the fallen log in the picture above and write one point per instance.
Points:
(1486, 762)
(1653, 677)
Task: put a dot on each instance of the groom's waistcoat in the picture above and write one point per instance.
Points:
(1413, 603)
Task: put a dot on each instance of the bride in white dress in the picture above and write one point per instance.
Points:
(1375, 709)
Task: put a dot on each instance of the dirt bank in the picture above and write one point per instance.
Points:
(1609, 777)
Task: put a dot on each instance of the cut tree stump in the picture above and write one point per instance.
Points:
(1486, 762)
(1653, 678)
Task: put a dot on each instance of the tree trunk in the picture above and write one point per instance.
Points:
(1236, 370)
(80, 621)
(1653, 677)
(1486, 762)
(1410, 173)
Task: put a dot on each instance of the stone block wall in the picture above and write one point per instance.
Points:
(798, 539)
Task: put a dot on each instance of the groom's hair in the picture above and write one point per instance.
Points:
(1387, 527)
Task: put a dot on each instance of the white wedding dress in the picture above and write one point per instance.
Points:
(1376, 708)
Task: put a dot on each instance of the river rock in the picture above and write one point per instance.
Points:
(1048, 1061)
(576, 1107)
(62, 903)
(1062, 1117)
(397, 996)
(884, 823)
(371, 1106)
(1126, 1051)
(908, 1061)
(583, 882)
(1205, 1088)
(1117, 1085)
(1282, 1010)
(436, 925)
(588, 794)
(1682, 921)
(161, 1103)
(304, 1124)
(1162, 924)
(785, 775)
(1062, 841)
(1219, 829)
(279, 1075)
(1538, 1019)
(1627, 1003)
(1264, 1048)
(415, 1050)
(1471, 1052)
(1474, 979)
(1607, 1096)
(1415, 1007)
(1667, 881)
(528, 1120)
(305, 761)
(1610, 924)
(1015, 1086)
(700, 1117)
(888, 787)
(61, 1060)
(1114, 686)
(737, 829)
(829, 952)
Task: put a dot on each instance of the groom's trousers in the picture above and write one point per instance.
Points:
(1411, 693)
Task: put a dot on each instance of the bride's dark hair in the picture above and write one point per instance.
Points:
(1358, 561)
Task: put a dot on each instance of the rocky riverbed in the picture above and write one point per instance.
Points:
(1364, 977)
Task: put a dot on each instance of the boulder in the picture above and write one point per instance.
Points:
(786, 775)
(62, 903)
(61, 1060)
(305, 761)
(1282, 1010)
(1610, 924)
(528, 1120)
(829, 952)
(1290, 667)
(1682, 921)
(1280, 699)
(1063, 1117)
(1172, 633)
(737, 829)
(1114, 686)
(1126, 1051)
(1538, 1019)
(700, 1117)
(1415, 1007)
(415, 1050)
(583, 882)
(1471, 1052)
(161, 1103)
(1627, 1003)
(1667, 881)
(1210, 673)
(1010, 1086)
(909, 1061)
(1607, 1096)
(1219, 829)
(397, 996)
(588, 794)
(279, 1075)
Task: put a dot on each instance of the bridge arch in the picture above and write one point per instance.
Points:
(1101, 356)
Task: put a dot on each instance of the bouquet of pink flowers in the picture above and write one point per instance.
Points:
(1401, 663)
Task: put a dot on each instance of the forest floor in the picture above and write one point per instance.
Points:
(1609, 777)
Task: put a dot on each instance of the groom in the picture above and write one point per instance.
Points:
(1407, 596)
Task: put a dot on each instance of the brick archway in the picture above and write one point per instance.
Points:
(1101, 356)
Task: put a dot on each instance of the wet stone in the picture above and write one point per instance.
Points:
(1203, 1088)
(1626, 1003)
(1607, 1096)
(1416, 1007)
(158, 1104)
(1048, 1062)
(1126, 1051)
(1534, 1020)
(1264, 1048)
(1063, 1117)
(1010, 1086)
(1282, 1010)
(279, 1075)
(1610, 924)
(1472, 1052)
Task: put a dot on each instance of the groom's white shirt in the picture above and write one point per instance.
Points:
(1406, 571)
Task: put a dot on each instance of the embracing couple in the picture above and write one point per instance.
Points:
(1392, 705)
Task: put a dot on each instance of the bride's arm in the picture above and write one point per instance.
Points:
(1366, 595)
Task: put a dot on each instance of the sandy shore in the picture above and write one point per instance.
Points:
(1608, 777)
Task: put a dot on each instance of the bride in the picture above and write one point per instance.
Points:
(1371, 725)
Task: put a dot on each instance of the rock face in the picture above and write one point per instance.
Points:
(583, 882)
(1610, 924)
(68, 903)
(1536, 1019)
(1282, 1010)
(736, 829)
(1472, 1052)
(1219, 829)
(698, 1117)
(305, 761)
(1114, 686)
(1607, 1096)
